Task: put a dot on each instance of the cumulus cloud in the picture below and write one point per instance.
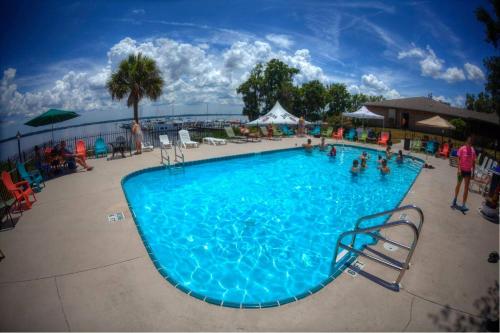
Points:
(193, 73)
(282, 41)
(432, 66)
(374, 86)
(473, 72)
(457, 101)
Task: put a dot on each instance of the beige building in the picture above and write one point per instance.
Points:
(406, 112)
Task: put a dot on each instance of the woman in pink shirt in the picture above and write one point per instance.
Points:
(466, 162)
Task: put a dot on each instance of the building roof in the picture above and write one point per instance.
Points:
(430, 105)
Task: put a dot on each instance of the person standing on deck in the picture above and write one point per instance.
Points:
(466, 163)
(137, 133)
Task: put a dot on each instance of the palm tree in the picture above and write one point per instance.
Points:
(138, 77)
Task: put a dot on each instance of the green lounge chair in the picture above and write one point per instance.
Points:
(277, 131)
(363, 137)
(416, 145)
(34, 178)
(233, 137)
(328, 132)
(100, 148)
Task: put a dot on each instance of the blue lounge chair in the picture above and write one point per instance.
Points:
(351, 134)
(100, 148)
(316, 131)
(430, 147)
(34, 178)
(286, 131)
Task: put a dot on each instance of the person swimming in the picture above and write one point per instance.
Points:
(322, 145)
(364, 156)
(399, 159)
(363, 164)
(384, 169)
(388, 153)
(333, 152)
(308, 146)
(355, 167)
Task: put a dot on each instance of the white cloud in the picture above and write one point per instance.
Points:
(194, 73)
(282, 41)
(457, 101)
(432, 66)
(473, 72)
(371, 85)
(139, 11)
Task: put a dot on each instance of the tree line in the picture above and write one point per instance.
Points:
(313, 100)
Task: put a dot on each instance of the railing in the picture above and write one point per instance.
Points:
(373, 232)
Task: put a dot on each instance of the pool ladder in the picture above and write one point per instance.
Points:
(178, 162)
(375, 255)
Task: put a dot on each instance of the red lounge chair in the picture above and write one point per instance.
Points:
(81, 151)
(444, 151)
(384, 137)
(20, 191)
(339, 134)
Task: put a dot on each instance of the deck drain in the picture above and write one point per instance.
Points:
(116, 217)
(390, 247)
(356, 264)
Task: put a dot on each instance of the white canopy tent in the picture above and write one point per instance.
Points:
(278, 115)
(363, 113)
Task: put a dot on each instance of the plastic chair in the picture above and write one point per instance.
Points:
(315, 131)
(100, 148)
(340, 134)
(445, 150)
(351, 134)
(384, 137)
(21, 191)
(34, 178)
(81, 151)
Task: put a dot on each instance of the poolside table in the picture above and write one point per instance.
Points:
(118, 146)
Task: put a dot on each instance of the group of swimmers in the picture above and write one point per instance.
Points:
(356, 165)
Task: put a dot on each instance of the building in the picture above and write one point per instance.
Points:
(406, 112)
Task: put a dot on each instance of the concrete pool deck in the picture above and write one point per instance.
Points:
(67, 268)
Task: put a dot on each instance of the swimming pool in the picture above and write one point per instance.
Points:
(258, 230)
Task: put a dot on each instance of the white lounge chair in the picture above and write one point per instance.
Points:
(164, 141)
(186, 139)
(146, 146)
(214, 141)
(482, 169)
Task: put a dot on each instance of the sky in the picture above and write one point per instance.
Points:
(60, 53)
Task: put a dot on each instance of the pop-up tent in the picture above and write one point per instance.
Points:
(363, 113)
(278, 115)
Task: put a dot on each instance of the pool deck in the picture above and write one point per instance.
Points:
(68, 269)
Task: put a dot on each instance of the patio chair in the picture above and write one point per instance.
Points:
(164, 141)
(214, 141)
(81, 151)
(444, 151)
(147, 146)
(384, 137)
(233, 137)
(186, 139)
(277, 131)
(328, 132)
(416, 145)
(5, 210)
(100, 148)
(430, 148)
(351, 134)
(20, 191)
(316, 132)
(267, 135)
(340, 134)
(286, 131)
(363, 136)
(34, 177)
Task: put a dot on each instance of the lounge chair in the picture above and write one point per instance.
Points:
(328, 132)
(340, 134)
(363, 136)
(81, 151)
(316, 132)
(287, 131)
(164, 141)
(214, 141)
(351, 134)
(430, 147)
(416, 145)
(277, 131)
(34, 177)
(20, 191)
(147, 146)
(444, 151)
(266, 135)
(372, 136)
(384, 137)
(186, 139)
(100, 148)
(233, 137)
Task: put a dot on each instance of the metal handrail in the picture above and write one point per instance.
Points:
(391, 211)
(178, 156)
(164, 156)
(369, 230)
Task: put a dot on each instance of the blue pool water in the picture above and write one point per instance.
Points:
(258, 229)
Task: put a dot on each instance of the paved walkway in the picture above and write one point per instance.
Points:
(66, 268)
